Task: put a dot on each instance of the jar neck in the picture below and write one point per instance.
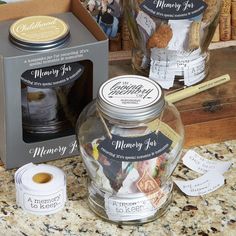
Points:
(127, 124)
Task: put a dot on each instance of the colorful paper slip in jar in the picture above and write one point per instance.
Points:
(40, 189)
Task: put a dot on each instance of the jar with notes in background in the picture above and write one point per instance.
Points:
(171, 38)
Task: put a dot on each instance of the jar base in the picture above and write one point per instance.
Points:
(37, 133)
(98, 203)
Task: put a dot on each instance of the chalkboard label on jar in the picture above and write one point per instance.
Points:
(173, 10)
(52, 76)
(134, 149)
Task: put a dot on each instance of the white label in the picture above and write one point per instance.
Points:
(201, 165)
(205, 184)
(146, 22)
(128, 209)
(159, 69)
(43, 203)
(166, 64)
(163, 77)
(194, 71)
(180, 29)
(36, 197)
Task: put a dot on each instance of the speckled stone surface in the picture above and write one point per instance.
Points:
(213, 214)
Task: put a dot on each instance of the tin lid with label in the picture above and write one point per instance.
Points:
(39, 32)
(130, 98)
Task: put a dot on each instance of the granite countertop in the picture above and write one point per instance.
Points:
(212, 214)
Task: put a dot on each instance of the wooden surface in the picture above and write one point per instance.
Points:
(210, 116)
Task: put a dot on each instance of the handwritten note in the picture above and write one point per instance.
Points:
(160, 69)
(146, 22)
(197, 163)
(205, 184)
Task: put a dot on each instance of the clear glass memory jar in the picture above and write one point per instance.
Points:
(171, 38)
(130, 140)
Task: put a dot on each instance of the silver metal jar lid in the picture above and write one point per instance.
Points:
(39, 32)
(130, 98)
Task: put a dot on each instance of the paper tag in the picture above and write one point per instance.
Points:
(128, 209)
(146, 22)
(195, 71)
(44, 203)
(40, 189)
(166, 64)
(205, 184)
(160, 73)
(201, 165)
(166, 80)
(166, 130)
(180, 29)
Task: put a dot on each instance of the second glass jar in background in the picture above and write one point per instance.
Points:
(171, 38)
(130, 140)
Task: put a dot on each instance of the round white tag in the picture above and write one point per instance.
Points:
(130, 92)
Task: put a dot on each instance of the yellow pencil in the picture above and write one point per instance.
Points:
(188, 92)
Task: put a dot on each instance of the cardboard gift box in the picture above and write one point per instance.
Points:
(38, 113)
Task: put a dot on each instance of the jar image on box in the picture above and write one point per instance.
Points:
(130, 140)
(171, 38)
(48, 92)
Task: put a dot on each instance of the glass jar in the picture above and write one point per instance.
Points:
(171, 38)
(130, 140)
(49, 94)
(42, 113)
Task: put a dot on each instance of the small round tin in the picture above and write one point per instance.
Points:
(39, 32)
